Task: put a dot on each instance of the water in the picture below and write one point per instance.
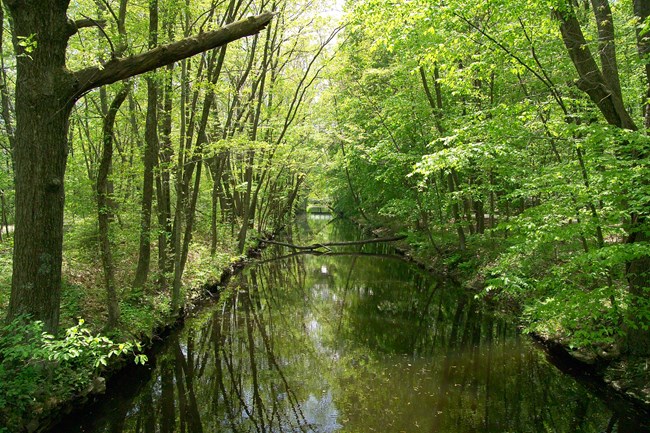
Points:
(358, 341)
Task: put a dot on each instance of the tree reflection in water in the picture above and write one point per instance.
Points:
(350, 343)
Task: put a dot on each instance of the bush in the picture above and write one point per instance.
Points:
(39, 372)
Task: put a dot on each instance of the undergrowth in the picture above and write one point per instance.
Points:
(38, 371)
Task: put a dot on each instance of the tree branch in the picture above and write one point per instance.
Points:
(120, 69)
(328, 253)
(88, 22)
(333, 244)
(607, 46)
(591, 79)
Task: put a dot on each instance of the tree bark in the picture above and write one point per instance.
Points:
(591, 80)
(607, 46)
(642, 11)
(150, 158)
(163, 190)
(43, 104)
(103, 207)
(4, 94)
(120, 69)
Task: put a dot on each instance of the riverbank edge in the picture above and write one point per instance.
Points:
(209, 292)
(607, 370)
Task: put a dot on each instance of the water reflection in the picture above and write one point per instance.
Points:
(348, 343)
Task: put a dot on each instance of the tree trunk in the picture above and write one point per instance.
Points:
(163, 190)
(44, 89)
(103, 207)
(216, 169)
(4, 93)
(5, 223)
(455, 213)
(492, 220)
(247, 202)
(150, 158)
(606, 46)
(592, 82)
(642, 11)
(479, 213)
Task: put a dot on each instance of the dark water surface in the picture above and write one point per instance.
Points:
(347, 343)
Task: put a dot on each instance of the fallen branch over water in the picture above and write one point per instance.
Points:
(329, 253)
(326, 245)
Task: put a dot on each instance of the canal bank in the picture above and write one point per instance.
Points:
(616, 377)
(357, 341)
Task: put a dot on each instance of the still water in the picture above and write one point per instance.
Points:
(358, 341)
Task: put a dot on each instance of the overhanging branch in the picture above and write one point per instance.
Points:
(333, 244)
(87, 22)
(120, 69)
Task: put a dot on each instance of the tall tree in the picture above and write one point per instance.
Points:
(103, 207)
(46, 91)
(150, 157)
(603, 87)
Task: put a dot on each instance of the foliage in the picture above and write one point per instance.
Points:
(39, 371)
(459, 123)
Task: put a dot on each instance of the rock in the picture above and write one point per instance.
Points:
(616, 385)
(610, 353)
(97, 386)
(585, 356)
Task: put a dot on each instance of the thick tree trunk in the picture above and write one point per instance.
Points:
(44, 90)
(638, 275)
(606, 46)
(591, 80)
(120, 69)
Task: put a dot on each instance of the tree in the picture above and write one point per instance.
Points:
(602, 84)
(150, 158)
(554, 161)
(103, 207)
(46, 92)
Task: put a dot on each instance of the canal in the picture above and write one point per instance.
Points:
(355, 341)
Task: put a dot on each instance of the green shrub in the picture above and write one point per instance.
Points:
(39, 372)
